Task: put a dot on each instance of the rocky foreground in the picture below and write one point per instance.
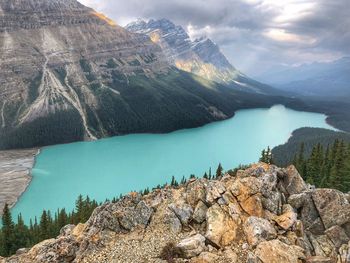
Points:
(262, 214)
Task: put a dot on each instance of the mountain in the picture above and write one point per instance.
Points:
(261, 214)
(201, 57)
(68, 73)
(317, 79)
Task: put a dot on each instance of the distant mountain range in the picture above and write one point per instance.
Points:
(330, 80)
(68, 73)
(201, 56)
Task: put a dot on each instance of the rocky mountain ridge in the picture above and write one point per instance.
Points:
(263, 214)
(201, 57)
(68, 73)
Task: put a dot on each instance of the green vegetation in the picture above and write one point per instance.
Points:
(326, 167)
(14, 236)
(310, 137)
(266, 156)
(17, 235)
(59, 127)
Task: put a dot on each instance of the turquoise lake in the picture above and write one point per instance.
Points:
(108, 167)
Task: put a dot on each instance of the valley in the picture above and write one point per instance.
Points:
(109, 167)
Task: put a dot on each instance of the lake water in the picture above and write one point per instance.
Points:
(108, 167)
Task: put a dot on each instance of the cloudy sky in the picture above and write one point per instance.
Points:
(255, 35)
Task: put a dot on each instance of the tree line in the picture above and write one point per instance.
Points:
(325, 167)
(18, 235)
(15, 235)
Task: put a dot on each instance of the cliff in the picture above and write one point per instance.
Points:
(68, 73)
(261, 214)
(202, 56)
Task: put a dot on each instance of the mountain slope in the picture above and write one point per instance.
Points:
(201, 57)
(68, 73)
(317, 79)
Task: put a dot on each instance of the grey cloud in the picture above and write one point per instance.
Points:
(240, 26)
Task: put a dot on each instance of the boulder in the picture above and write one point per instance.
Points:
(234, 207)
(205, 257)
(253, 206)
(214, 191)
(183, 212)
(308, 213)
(273, 202)
(292, 182)
(257, 230)
(337, 235)
(172, 221)
(200, 212)
(244, 187)
(66, 230)
(221, 227)
(195, 192)
(333, 207)
(322, 245)
(192, 246)
(274, 251)
(288, 218)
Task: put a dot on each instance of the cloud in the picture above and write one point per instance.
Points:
(255, 35)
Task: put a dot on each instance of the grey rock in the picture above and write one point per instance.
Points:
(258, 229)
(200, 212)
(292, 181)
(308, 213)
(192, 246)
(333, 207)
(66, 230)
(338, 236)
(183, 211)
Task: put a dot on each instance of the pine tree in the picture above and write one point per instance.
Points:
(44, 226)
(21, 233)
(205, 176)
(8, 228)
(219, 171)
(263, 156)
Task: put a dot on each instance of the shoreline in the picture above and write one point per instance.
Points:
(15, 174)
(16, 165)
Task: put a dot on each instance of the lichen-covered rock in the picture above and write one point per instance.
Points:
(192, 246)
(206, 257)
(248, 219)
(253, 206)
(292, 182)
(195, 192)
(183, 211)
(221, 227)
(200, 212)
(214, 190)
(274, 251)
(308, 213)
(258, 229)
(288, 218)
(333, 207)
(337, 235)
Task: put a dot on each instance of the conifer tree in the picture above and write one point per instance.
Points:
(8, 238)
(219, 171)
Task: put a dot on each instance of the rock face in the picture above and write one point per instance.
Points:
(169, 223)
(201, 56)
(68, 73)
